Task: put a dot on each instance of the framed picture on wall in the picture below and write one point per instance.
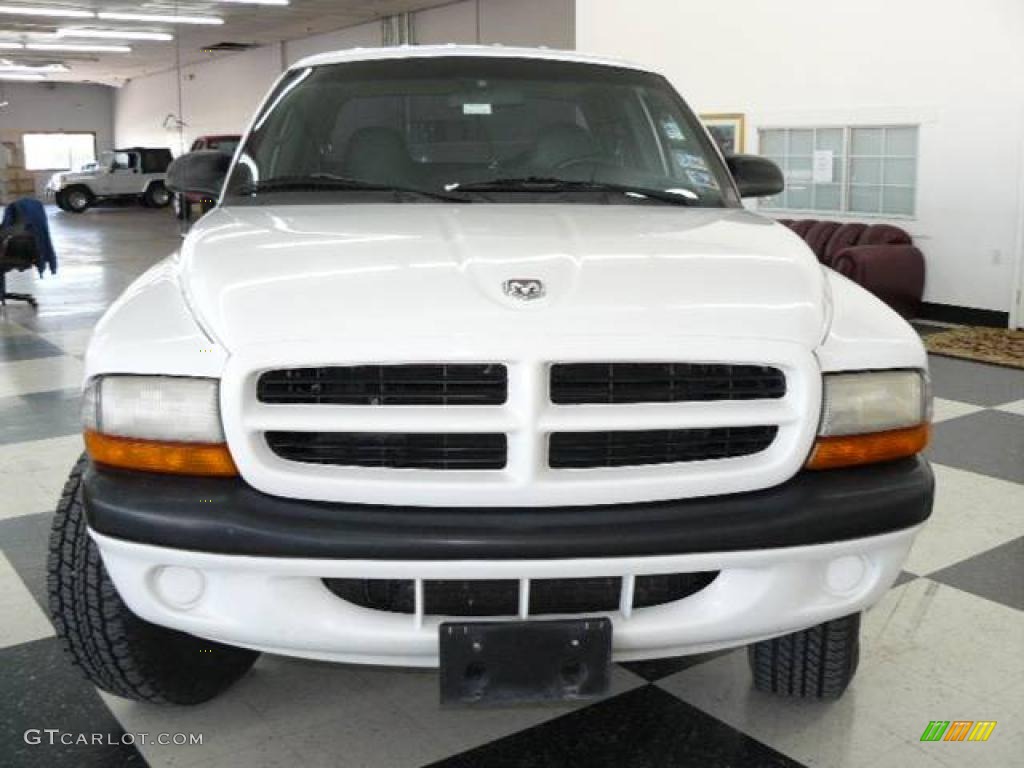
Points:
(729, 130)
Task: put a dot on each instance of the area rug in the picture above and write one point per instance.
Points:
(984, 345)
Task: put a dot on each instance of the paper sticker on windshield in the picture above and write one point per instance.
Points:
(702, 179)
(671, 129)
(476, 109)
(688, 161)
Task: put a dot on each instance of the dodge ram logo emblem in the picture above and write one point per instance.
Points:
(525, 289)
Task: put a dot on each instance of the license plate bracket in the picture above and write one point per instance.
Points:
(512, 662)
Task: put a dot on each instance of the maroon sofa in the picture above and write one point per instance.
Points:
(880, 257)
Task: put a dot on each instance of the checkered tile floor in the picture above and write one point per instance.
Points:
(946, 643)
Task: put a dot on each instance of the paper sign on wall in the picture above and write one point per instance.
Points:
(822, 173)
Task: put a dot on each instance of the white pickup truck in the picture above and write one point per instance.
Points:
(480, 364)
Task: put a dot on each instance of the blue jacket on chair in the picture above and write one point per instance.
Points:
(32, 214)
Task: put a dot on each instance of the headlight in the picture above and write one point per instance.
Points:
(156, 423)
(871, 417)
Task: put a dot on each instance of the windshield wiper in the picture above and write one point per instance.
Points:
(321, 182)
(678, 196)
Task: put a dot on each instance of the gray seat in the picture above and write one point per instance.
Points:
(379, 155)
(560, 143)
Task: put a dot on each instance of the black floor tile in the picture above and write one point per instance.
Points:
(975, 383)
(24, 541)
(42, 690)
(40, 415)
(997, 574)
(644, 728)
(657, 669)
(987, 442)
(904, 577)
(26, 347)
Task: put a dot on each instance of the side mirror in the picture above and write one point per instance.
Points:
(755, 176)
(200, 173)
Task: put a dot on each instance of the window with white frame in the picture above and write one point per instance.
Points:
(844, 169)
(58, 151)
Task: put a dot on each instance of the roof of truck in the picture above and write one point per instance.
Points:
(436, 51)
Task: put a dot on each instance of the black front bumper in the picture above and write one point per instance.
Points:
(227, 516)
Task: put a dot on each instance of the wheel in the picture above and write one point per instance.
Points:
(815, 663)
(115, 649)
(78, 199)
(157, 196)
(58, 198)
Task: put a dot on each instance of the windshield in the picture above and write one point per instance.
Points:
(477, 129)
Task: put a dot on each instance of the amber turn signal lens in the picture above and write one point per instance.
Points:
(851, 450)
(153, 456)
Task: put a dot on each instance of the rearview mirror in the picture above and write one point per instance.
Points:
(755, 176)
(200, 173)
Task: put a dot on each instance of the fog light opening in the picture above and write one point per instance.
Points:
(179, 587)
(846, 574)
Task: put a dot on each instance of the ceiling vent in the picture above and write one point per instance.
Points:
(228, 47)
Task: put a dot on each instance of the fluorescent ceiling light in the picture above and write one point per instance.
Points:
(254, 2)
(113, 34)
(78, 48)
(11, 46)
(60, 13)
(159, 19)
(21, 77)
(7, 66)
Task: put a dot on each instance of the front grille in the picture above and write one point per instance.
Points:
(432, 384)
(620, 383)
(392, 450)
(578, 450)
(500, 597)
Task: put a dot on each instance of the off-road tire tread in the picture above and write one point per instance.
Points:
(116, 650)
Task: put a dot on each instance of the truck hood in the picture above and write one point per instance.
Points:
(282, 274)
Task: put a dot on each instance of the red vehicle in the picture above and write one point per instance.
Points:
(226, 143)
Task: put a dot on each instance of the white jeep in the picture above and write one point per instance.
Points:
(122, 174)
(480, 364)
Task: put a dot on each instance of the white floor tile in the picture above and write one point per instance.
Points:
(927, 631)
(973, 513)
(32, 474)
(1017, 407)
(228, 725)
(21, 619)
(40, 375)
(72, 342)
(951, 409)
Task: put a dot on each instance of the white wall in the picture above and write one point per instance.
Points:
(957, 68)
(217, 97)
(57, 107)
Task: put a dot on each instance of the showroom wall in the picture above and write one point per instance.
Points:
(956, 69)
(220, 96)
(34, 107)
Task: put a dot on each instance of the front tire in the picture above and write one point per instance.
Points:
(58, 198)
(78, 199)
(156, 196)
(815, 663)
(115, 649)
